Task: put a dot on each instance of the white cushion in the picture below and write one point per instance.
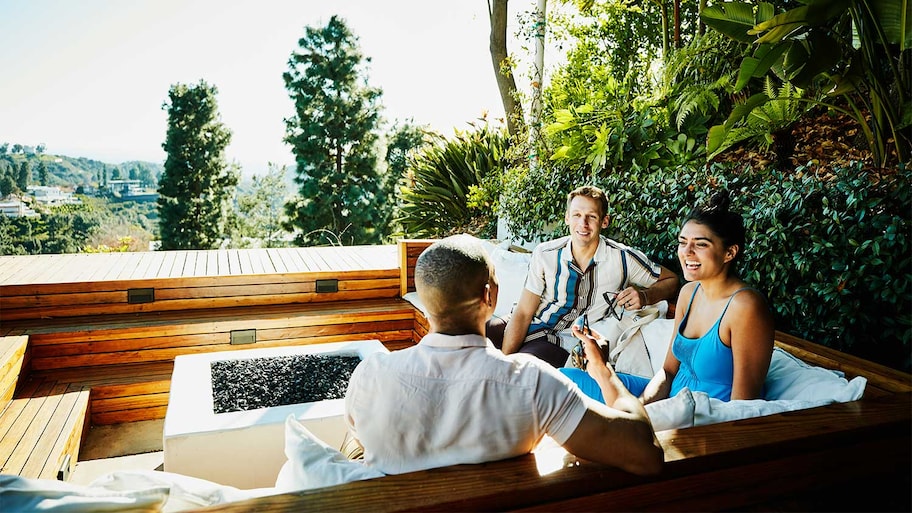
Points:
(789, 378)
(791, 384)
(511, 269)
(24, 494)
(313, 464)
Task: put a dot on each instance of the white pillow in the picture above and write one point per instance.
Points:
(313, 464)
(790, 378)
(511, 268)
(412, 297)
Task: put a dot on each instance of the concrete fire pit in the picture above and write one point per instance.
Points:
(244, 449)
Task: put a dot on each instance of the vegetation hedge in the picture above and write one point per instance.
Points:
(831, 253)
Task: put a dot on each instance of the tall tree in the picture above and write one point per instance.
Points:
(261, 212)
(333, 135)
(43, 174)
(503, 69)
(404, 140)
(7, 185)
(198, 183)
(24, 176)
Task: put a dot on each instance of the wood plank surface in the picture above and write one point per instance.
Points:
(12, 354)
(70, 438)
(76, 268)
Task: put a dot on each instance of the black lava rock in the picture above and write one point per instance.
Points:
(248, 384)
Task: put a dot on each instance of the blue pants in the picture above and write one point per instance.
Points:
(635, 384)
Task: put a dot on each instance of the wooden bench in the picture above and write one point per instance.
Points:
(41, 421)
(814, 459)
(64, 294)
(127, 359)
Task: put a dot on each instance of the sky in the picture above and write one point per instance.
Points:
(88, 78)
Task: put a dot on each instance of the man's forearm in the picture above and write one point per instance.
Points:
(665, 288)
(514, 334)
(615, 393)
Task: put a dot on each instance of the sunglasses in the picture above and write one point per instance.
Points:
(611, 298)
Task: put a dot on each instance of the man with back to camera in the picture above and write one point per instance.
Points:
(581, 273)
(454, 398)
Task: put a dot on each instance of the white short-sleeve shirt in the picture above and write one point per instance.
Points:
(456, 399)
(567, 291)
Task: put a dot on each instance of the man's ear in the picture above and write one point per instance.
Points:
(606, 221)
(489, 297)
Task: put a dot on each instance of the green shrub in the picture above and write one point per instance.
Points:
(436, 193)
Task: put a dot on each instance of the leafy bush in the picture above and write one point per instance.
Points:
(435, 196)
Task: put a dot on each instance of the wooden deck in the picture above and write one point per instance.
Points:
(32, 270)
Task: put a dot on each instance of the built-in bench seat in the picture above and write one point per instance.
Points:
(49, 286)
(41, 428)
(91, 339)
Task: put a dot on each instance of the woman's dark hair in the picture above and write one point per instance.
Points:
(728, 225)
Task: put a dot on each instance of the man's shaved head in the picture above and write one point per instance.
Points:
(450, 277)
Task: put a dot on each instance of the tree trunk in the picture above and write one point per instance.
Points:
(677, 24)
(503, 71)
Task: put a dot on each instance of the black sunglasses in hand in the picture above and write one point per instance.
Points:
(611, 298)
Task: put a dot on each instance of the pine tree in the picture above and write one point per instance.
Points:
(198, 183)
(333, 135)
(25, 175)
(43, 174)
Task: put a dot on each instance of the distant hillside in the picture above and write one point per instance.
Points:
(75, 171)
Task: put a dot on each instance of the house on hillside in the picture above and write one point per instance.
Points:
(12, 206)
(131, 190)
(52, 196)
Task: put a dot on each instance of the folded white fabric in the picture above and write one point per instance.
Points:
(313, 464)
(121, 491)
(675, 412)
(24, 494)
(184, 492)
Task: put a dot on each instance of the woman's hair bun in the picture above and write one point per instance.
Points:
(719, 202)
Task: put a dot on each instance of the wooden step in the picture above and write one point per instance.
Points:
(160, 336)
(12, 357)
(41, 429)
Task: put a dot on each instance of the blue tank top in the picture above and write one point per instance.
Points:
(707, 364)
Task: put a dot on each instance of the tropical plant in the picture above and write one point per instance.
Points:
(435, 193)
(769, 123)
(860, 50)
(697, 81)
